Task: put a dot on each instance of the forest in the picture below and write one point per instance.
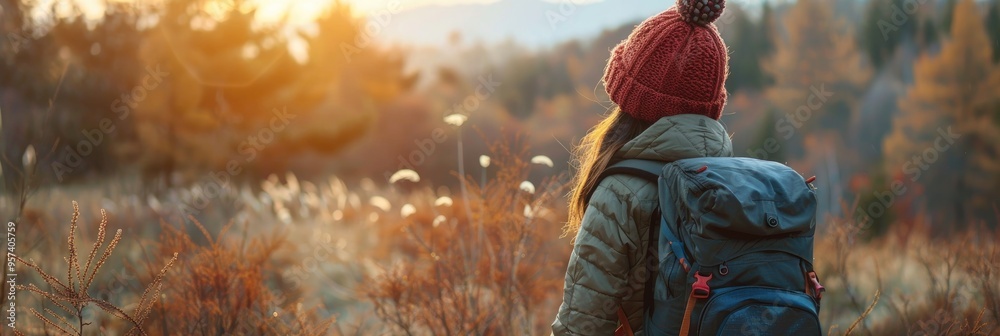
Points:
(280, 175)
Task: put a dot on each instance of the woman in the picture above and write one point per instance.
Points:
(668, 81)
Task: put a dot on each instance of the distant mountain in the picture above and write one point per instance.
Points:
(532, 23)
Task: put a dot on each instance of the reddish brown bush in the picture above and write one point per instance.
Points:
(72, 296)
(493, 270)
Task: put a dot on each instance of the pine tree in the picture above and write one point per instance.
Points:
(767, 29)
(870, 35)
(767, 145)
(767, 32)
(869, 212)
(947, 14)
(993, 28)
(744, 70)
(929, 33)
(955, 92)
(882, 29)
(749, 44)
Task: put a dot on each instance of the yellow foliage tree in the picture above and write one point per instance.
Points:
(196, 54)
(817, 57)
(947, 135)
(236, 90)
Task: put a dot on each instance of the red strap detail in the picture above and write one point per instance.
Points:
(818, 289)
(700, 288)
(625, 329)
(701, 170)
(811, 179)
(686, 322)
(684, 264)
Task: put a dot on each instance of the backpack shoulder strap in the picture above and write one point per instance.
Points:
(646, 169)
(650, 171)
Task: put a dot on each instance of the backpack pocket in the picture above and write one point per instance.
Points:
(672, 282)
(759, 311)
(762, 269)
(669, 297)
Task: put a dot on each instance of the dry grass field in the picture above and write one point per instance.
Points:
(295, 257)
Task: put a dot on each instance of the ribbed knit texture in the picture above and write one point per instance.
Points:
(668, 67)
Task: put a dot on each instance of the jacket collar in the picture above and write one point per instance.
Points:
(678, 137)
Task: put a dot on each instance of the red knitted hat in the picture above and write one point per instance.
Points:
(672, 63)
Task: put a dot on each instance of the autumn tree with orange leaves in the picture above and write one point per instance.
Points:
(946, 138)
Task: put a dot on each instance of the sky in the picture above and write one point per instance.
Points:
(305, 10)
(301, 9)
(368, 6)
(300, 13)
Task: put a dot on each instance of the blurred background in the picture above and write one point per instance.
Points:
(373, 166)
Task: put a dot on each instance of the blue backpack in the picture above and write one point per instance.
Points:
(735, 248)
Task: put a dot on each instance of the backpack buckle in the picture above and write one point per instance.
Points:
(818, 289)
(700, 288)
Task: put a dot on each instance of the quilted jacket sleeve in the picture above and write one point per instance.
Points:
(596, 278)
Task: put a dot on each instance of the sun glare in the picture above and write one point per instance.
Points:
(298, 11)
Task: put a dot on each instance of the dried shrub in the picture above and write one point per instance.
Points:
(494, 269)
(222, 288)
(935, 285)
(72, 295)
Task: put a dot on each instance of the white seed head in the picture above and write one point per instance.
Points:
(28, 160)
(527, 187)
(407, 210)
(404, 174)
(443, 201)
(542, 160)
(455, 119)
(380, 202)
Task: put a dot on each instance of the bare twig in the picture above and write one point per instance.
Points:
(865, 314)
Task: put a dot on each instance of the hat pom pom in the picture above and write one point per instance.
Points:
(700, 12)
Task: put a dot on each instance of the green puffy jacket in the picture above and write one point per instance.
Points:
(606, 269)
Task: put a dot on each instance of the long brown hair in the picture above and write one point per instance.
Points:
(593, 155)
